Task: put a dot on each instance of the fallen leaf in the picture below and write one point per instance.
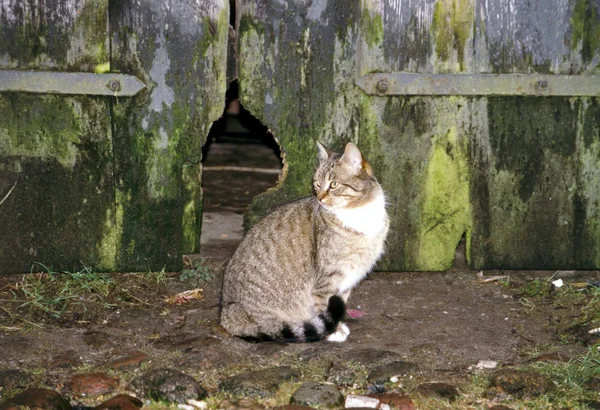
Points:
(184, 297)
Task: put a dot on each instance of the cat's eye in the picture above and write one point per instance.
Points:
(334, 184)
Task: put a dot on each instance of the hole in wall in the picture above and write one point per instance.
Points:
(241, 159)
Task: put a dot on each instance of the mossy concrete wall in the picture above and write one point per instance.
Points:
(516, 177)
(113, 183)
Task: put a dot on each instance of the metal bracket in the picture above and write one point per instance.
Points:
(48, 82)
(480, 84)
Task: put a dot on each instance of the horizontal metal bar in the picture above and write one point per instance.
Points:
(480, 84)
(49, 82)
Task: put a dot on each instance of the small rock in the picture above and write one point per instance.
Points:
(353, 401)
(261, 383)
(487, 364)
(92, 384)
(441, 390)
(240, 404)
(121, 402)
(65, 360)
(341, 375)
(552, 357)
(169, 385)
(37, 399)
(129, 361)
(383, 374)
(397, 401)
(521, 383)
(11, 378)
(317, 395)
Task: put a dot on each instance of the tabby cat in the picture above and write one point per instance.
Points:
(293, 272)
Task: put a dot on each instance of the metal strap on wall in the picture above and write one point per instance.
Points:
(480, 84)
(48, 82)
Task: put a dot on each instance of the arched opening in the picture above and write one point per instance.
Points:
(241, 159)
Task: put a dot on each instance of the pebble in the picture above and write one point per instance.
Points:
(240, 404)
(261, 383)
(129, 361)
(521, 383)
(92, 384)
(169, 385)
(37, 399)
(383, 374)
(361, 401)
(487, 364)
(317, 395)
(121, 402)
(397, 401)
(436, 389)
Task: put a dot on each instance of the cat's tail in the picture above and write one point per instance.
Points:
(319, 326)
(312, 330)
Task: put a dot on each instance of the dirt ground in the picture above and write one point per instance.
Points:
(445, 322)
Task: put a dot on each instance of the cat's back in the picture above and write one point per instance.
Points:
(283, 237)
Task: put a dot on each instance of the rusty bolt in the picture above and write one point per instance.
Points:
(542, 84)
(114, 85)
(382, 85)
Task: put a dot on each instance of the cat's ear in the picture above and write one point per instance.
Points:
(352, 157)
(323, 154)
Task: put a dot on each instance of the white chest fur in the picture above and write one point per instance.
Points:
(369, 219)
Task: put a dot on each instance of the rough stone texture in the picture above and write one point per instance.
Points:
(132, 360)
(121, 402)
(92, 384)
(241, 404)
(440, 390)
(521, 383)
(261, 383)
(115, 182)
(317, 395)
(36, 399)
(516, 177)
(382, 374)
(396, 401)
(169, 385)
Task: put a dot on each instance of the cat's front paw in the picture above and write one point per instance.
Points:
(340, 334)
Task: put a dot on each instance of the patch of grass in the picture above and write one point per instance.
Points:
(196, 272)
(73, 297)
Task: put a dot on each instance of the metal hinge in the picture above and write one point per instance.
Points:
(48, 82)
(480, 84)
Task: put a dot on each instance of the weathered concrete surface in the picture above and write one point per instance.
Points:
(111, 182)
(516, 177)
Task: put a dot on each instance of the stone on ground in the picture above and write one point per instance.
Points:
(439, 390)
(396, 401)
(121, 402)
(317, 395)
(261, 383)
(92, 384)
(521, 383)
(169, 385)
(37, 399)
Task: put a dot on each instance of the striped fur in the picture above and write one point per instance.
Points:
(293, 272)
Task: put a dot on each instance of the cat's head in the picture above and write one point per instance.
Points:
(345, 180)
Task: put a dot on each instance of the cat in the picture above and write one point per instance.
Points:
(292, 274)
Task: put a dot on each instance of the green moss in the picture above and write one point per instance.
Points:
(192, 208)
(41, 127)
(451, 28)
(585, 22)
(111, 239)
(371, 26)
(446, 209)
(102, 68)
